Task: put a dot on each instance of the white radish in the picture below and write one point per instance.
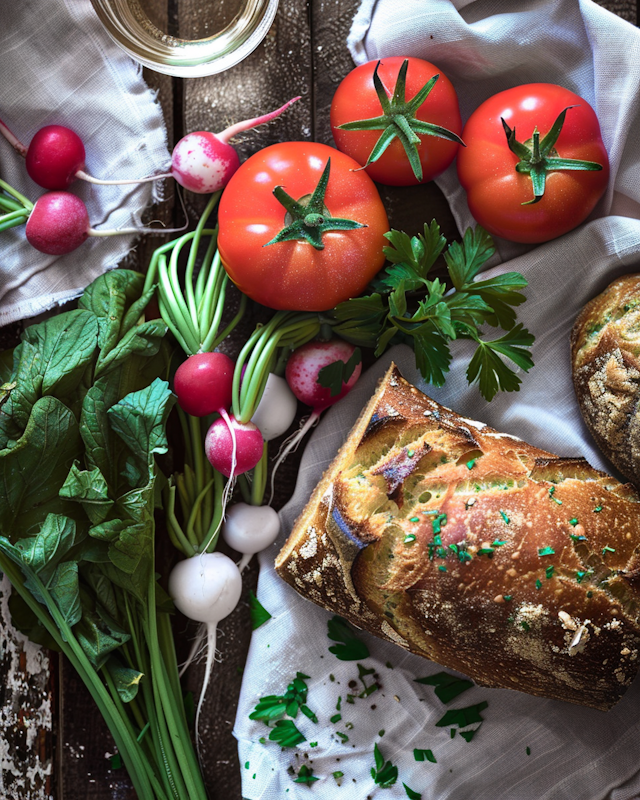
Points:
(250, 529)
(276, 409)
(206, 588)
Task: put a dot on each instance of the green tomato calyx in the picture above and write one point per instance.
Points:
(308, 218)
(398, 120)
(537, 157)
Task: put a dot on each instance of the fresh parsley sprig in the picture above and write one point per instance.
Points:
(384, 774)
(407, 306)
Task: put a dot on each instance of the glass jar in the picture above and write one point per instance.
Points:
(235, 28)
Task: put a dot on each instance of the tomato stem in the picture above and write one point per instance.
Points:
(398, 120)
(541, 157)
(310, 218)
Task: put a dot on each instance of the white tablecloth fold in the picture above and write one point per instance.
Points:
(575, 753)
(58, 66)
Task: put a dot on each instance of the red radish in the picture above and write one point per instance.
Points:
(303, 369)
(202, 162)
(59, 223)
(203, 383)
(232, 447)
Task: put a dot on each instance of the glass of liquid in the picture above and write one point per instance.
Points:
(218, 35)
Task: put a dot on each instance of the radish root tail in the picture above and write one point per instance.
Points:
(290, 445)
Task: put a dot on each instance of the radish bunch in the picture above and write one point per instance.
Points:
(202, 162)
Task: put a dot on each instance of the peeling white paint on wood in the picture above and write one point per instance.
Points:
(25, 712)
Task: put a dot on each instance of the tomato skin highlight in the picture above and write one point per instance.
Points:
(356, 99)
(294, 275)
(496, 192)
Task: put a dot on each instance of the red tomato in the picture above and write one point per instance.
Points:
(295, 274)
(500, 197)
(357, 99)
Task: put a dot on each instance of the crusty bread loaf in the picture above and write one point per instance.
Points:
(475, 550)
(605, 354)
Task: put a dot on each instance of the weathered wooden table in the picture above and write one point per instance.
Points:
(53, 743)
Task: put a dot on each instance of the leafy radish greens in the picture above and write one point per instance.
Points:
(82, 419)
(408, 307)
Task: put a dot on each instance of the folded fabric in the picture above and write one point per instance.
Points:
(60, 67)
(526, 748)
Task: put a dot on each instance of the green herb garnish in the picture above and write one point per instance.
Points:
(424, 755)
(409, 538)
(293, 700)
(350, 647)
(439, 316)
(546, 551)
(259, 614)
(305, 775)
(411, 794)
(447, 687)
(504, 517)
(384, 773)
(463, 718)
(549, 571)
(286, 734)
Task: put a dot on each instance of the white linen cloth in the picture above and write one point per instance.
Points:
(58, 66)
(575, 753)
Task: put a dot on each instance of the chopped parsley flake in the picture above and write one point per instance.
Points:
(438, 523)
(306, 775)
(382, 732)
(286, 734)
(409, 538)
(337, 775)
(504, 517)
(525, 625)
(246, 765)
(589, 594)
(573, 522)
(471, 464)
(580, 576)
(313, 744)
(414, 519)
(546, 551)
(411, 794)
(498, 542)
(463, 718)
(486, 551)
(538, 584)
(336, 718)
(528, 751)
(410, 453)
(577, 538)
(343, 736)
(384, 773)
(552, 496)
(506, 597)
(447, 686)
(549, 571)
(597, 509)
(442, 568)
(424, 755)
(339, 703)
(259, 614)
(608, 549)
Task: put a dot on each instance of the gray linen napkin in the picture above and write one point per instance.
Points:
(527, 748)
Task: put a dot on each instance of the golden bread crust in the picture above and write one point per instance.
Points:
(476, 550)
(605, 354)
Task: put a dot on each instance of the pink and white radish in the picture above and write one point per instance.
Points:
(202, 162)
(233, 447)
(206, 588)
(250, 529)
(277, 408)
(302, 372)
(59, 223)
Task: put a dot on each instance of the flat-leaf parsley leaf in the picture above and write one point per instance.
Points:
(350, 648)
